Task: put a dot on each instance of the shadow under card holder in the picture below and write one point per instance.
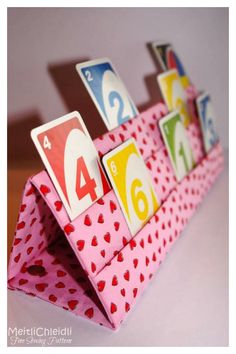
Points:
(92, 266)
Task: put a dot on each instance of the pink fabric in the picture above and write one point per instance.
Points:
(101, 271)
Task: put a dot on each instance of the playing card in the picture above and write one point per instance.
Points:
(107, 91)
(177, 144)
(207, 120)
(132, 184)
(168, 59)
(173, 94)
(71, 160)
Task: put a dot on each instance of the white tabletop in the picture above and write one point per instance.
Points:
(186, 303)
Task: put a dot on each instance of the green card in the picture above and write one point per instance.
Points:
(177, 144)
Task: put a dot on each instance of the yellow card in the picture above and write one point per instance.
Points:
(132, 184)
(174, 95)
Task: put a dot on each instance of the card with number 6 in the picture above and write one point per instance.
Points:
(132, 184)
(107, 91)
(207, 120)
(174, 94)
(177, 144)
(71, 160)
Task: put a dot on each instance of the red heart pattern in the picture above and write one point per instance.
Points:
(100, 234)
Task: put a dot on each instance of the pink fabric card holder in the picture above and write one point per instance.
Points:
(93, 266)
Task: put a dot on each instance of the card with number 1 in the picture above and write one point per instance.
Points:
(177, 144)
(71, 160)
(132, 184)
(107, 91)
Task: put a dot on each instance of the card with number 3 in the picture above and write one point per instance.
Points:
(132, 184)
(177, 144)
(174, 94)
(71, 160)
(107, 91)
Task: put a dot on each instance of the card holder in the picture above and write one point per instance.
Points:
(92, 266)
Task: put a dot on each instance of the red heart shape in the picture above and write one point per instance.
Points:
(124, 240)
(23, 281)
(58, 205)
(107, 237)
(61, 273)
(100, 201)
(29, 250)
(68, 229)
(17, 241)
(72, 304)
(147, 261)
(87, 220)
(44, 189)
(122, 292)
(116, 225)
(33, 221)
(113, 308)
(127, 307)
(135, 261)
(52, 298)
(72, 291)
(41, 287)
(141, 277)
(142, 243)
(126, 275)
(103, 253)
(113, 206)
(135, 290)
(93, 267)
(60, 285)
(22, 208)
(89, 312)
(80, 244)
(30, 191)
(100, 219)
(149, 239)
(101, 285)
(94, 241)
(112, 137)
(120, 257)
(28, 237)
(154, 258)
(132, 244)
(114, 281)
(20, 225)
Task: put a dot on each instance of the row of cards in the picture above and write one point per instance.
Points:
(71, 159)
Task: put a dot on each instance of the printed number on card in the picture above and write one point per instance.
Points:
(107, 91)
(132, 184)
(207, 120)
(174, 95)
(177, 144)
(71, 161)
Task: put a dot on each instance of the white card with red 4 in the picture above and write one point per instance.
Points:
(132, 184)
(72, 162)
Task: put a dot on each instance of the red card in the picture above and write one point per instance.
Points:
(72, 162)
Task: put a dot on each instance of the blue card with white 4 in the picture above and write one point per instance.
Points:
(107, 91)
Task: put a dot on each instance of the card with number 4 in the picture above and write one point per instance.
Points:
(177, 144)
(207, 120)
(174, 94)
(107, 91)
(71, 160)
(132, 184)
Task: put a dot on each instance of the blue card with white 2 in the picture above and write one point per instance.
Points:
(207, 120)
(107, 91)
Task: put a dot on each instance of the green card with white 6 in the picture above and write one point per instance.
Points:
(177, 144)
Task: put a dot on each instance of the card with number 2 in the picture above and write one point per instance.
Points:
(107, 91)
(71, 160)
(132, 184)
